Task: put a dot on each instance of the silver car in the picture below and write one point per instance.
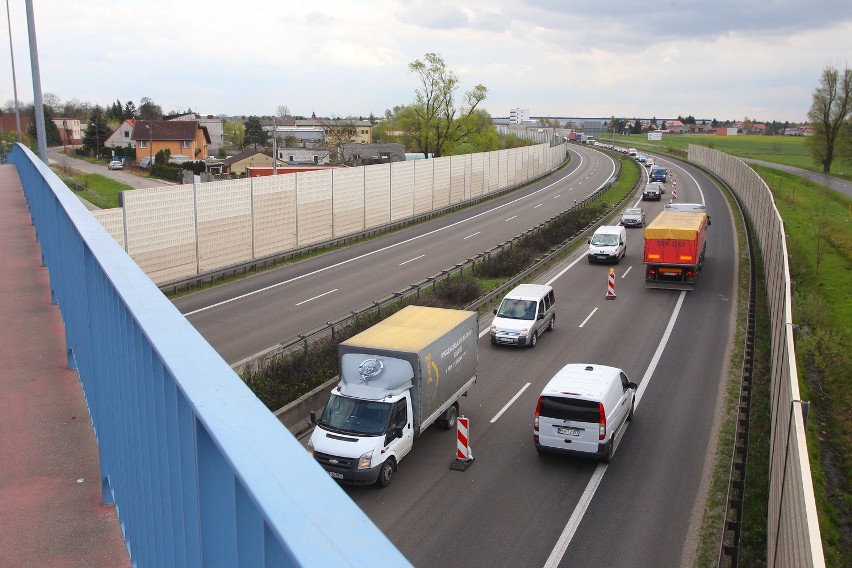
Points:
(633, 217)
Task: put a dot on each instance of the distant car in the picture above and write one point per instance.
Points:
(632, 151)
(633, 217)
(641, 158)
(115, 165)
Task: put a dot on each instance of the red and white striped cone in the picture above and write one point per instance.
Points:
(674, 190)
(464, 454)
(610, 286)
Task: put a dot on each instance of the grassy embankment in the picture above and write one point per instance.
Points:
(95, 188)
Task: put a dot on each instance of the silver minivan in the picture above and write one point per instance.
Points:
(525, 312)
(584, 410)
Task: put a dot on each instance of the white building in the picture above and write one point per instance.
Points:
(519, 115)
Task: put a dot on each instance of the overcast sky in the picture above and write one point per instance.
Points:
(724, 59)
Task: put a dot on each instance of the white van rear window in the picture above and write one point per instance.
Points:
(569, 409)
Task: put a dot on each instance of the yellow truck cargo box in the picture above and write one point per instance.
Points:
(682, 225)
(412, 328)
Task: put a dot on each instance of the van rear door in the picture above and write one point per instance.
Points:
(569, 423)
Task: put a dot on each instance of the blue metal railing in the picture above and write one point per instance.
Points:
(201, 473)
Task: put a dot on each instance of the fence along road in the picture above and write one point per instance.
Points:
(793, 527)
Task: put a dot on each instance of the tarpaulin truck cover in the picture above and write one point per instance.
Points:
(675, 237)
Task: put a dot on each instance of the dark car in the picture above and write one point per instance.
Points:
(653, 191)
(633, 217)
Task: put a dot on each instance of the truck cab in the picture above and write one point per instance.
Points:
(363, 440)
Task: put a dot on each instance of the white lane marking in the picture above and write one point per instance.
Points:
(512, 217)
(568, 533)
(588, 317)
(383, 249)
(557, 196)
(539, 205)
(315, 297)
(629, 268)
(473, 235)
(564, 540)
(508, 404)
(411, 259)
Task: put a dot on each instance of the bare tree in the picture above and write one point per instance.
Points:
(338, 131)
(283, 111)
(829, 115)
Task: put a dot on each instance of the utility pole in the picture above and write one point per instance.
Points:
(41, 132)
(274, 148)
(14, 81)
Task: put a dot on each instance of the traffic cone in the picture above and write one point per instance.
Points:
(464, 453)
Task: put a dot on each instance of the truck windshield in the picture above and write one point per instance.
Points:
(605, 240)
(355, 416)
(517, 309)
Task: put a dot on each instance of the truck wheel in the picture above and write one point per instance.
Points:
(386, 473)
(448, 422)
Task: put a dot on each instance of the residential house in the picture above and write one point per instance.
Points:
(9, 123)
(236, 165)
(70, 131)
(181, 137)
(122, 137)
(215, 130)
(675, 126)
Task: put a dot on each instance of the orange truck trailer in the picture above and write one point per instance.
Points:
(674, 249)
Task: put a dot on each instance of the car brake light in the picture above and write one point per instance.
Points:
(602, 422)
(537, 411)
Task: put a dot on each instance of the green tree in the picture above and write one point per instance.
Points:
(830, 114)
(148, 110)
(436, 125)
(478, 134)
(96, 132)
(50, 130)
(234, 134)
(254, 132)
(129, 110)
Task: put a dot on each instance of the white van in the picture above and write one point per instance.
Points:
(608, 244)
(584, 410)
(524, 313)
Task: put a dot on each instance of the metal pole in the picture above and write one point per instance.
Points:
(14, 81)
(39, 104)
(274, 148)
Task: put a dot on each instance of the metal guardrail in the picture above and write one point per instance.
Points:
(200, 472)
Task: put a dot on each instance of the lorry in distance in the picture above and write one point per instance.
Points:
(675, 243)
(396, 379)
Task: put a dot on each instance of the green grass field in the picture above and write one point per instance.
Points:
(787, 150)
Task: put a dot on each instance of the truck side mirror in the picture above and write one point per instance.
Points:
(313, 416)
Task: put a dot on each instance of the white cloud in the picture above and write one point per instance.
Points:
(723, 59)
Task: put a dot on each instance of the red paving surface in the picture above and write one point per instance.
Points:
(51, 511)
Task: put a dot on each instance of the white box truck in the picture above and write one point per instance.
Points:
(396, 379)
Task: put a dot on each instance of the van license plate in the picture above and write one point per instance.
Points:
(505, 340)
(335, 475)
(569, 431)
